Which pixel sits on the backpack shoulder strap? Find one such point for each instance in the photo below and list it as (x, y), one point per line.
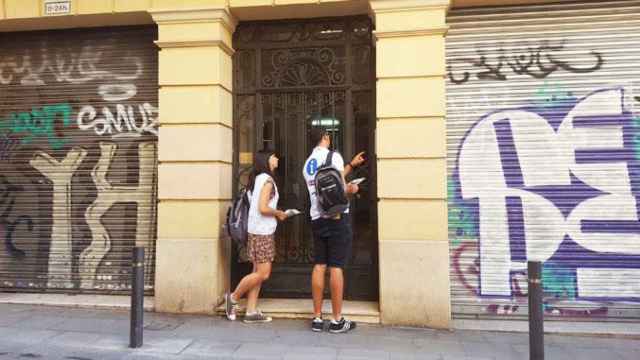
(329, 159)
(245, 194)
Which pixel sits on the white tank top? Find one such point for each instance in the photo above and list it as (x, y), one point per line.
(258, 223)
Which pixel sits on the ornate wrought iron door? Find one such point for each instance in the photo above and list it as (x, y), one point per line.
(289, 76)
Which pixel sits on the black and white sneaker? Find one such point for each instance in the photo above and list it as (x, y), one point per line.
(230, 307)
(317, 324)
(342, 326)
(256, 317)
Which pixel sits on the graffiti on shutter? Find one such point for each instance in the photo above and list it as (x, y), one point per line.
(544, 159)
(78, 133)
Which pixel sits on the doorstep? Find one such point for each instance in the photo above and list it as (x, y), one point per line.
(359, 311)
(70, 300)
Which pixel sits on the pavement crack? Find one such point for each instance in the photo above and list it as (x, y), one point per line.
(30, 355)
(193, 341)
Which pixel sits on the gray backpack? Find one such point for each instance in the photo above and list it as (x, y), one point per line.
(238, 218)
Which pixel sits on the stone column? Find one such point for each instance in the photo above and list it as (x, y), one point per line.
(195, 156)
(411, 149)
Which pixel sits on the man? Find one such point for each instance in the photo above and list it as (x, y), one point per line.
(331, 235)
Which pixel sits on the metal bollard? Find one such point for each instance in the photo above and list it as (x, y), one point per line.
(137, 298)
(536, 315)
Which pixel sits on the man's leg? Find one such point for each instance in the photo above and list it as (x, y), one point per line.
(317, 288)
(337, 291)
(339, 250)
(320, 265)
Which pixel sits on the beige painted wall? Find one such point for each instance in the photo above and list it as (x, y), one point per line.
(195, 157)
(241, 9)
(414, 249)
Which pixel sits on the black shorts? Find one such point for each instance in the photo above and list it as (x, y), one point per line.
(332, 241)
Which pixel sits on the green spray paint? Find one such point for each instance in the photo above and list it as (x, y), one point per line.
(37, 123)
(462, 221)
(636, 137)
(558, 281)
(550, 94)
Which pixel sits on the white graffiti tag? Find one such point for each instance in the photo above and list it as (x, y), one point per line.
(126, 121)
(75, 68)
(60, 174)
(108, 195)
(582, 149)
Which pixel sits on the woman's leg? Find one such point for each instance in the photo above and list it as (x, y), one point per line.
(263, 272)
(247, 283)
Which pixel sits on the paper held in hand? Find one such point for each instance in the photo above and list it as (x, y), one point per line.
(357, 181)
(292, 212)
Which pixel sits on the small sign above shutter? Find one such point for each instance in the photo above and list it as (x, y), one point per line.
(57, 7)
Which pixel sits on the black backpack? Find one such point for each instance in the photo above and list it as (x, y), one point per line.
(238, 218)
(330, 189)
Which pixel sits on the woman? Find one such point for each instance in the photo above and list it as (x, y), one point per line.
(261, 248)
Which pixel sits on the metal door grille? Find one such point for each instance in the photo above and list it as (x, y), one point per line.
(289, 76)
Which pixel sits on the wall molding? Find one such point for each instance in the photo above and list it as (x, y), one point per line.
(411, 33)
(190, 16)
(393, 6)
(195, 43)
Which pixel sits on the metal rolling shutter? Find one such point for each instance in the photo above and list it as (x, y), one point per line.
(543, 146)
(78, 135)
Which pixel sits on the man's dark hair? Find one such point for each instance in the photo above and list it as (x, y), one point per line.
(316, 135)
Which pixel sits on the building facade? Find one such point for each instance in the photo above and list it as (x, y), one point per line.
(496, 132)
